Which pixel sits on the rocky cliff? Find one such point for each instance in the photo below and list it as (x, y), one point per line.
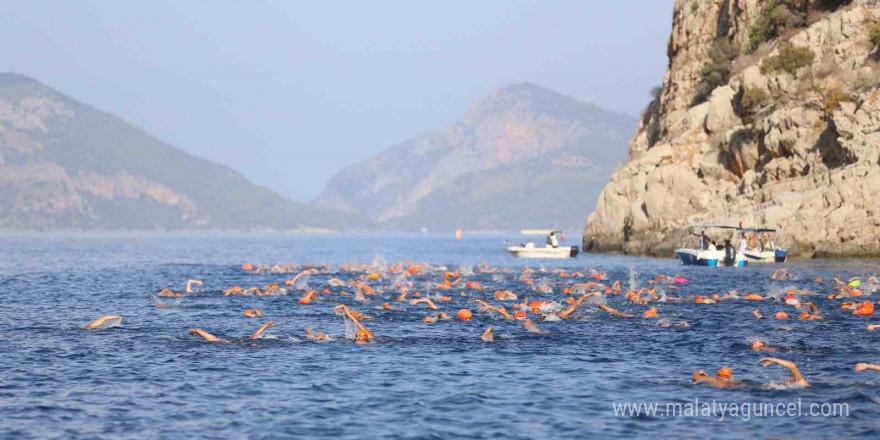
(65, 165)
(769, 115)
(525, 156)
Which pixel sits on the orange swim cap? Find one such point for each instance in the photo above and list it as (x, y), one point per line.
(597, 276)
(521, 314)
(855, 292)
(651, 313)
(781, 315)
(725, 373)
(465, 315)
(866, 308)
(804, 315)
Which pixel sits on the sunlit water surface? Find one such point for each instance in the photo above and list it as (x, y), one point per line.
(148, 378)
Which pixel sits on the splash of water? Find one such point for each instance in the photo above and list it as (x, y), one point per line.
(379, 262)
(634, 283)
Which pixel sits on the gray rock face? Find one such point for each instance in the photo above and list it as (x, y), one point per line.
(807, 163)
(521, 157)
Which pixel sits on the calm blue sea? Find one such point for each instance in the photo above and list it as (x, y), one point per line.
(149, 379)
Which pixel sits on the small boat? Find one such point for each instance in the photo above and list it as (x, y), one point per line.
(760, 247)
(550, 250)
(703, 253)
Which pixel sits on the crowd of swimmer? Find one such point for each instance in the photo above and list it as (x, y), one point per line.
(400, 284)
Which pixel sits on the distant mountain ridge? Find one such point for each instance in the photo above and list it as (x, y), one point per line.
(525, 156)
(65, 165)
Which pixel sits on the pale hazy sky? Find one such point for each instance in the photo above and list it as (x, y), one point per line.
(289, 92)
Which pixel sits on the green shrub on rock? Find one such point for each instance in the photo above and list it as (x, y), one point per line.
(751, 102)
(716, 72)
(789, 59)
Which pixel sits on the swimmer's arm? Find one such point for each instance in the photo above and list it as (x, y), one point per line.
(262, 328)
(205, 335)
(100, 321)
(812, 306)
(614, 311)
(873, 327)
(863, 366)
(190, 283)
(796, 376)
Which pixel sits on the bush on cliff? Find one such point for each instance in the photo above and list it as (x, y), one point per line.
(752, 100)
(716, 72)
(790, 59)
(775, 17)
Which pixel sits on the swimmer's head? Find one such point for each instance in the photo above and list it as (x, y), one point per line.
(725, 373)
(758, 344)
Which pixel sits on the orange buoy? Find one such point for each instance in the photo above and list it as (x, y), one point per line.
(465, 315)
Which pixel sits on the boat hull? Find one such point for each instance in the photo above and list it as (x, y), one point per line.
(766, 257)
(694, 257)
(543, 252)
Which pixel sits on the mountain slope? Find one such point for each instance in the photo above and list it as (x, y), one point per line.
(65, 165)
(770, 116)
(523, 156)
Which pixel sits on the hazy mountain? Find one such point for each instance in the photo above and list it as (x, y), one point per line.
(525, 156)
(65, 165)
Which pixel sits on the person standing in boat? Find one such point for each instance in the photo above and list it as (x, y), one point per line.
(552, 241)
(704, 240)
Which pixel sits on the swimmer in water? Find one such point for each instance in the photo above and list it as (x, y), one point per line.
(532, 328)
(234, 290)
(259, 332)
(484, 306)
(168, 292)
(106, 321)
(781, 274)
(757, 314)
(253, 313)
(363, 335)
(190, 283)
(205, 335)
(430, 304)
(430, 319)
(724, 378)
(568, 311)
(796, 377)
(312, 336)
(487, 335)
(861, 366)
(761, 346)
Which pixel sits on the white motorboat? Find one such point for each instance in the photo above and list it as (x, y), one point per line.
(550, 250)
(760, 247)
(705, 254)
